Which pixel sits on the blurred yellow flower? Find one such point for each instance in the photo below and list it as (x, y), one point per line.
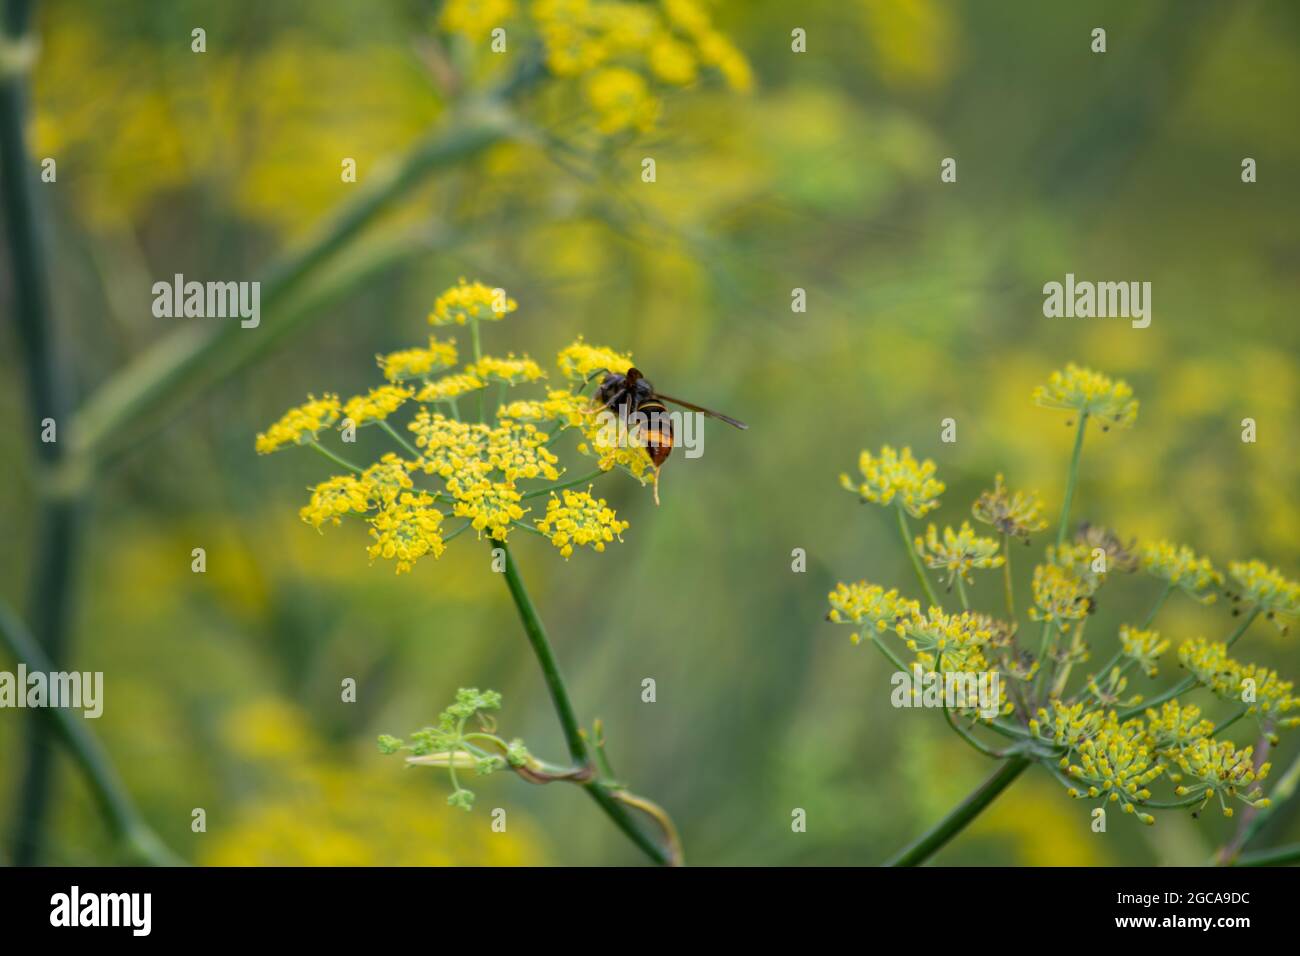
(471, 300)
(1089, 393)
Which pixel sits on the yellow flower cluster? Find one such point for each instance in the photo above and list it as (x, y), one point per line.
(475, 19)
(479, 465)
(1218, 769)
(300, 424)
(331, 499)
(1176, 727)
(1265, 588)
(449, 387)
(1117, 763)
(579, 519)
(376, 405)
(1065, 725)
(1183, 569)
(622, 48)
(1015, 515)
(491, 506)
(560, 405)
(1266, 695)
(406, 529)
(1145, 647)
(1089, 393)
(510, 370)
(579, 360)
(896, 475)
(1060, 595)
(471, 301)
(870, 604)
(958, 552)
(418, 363)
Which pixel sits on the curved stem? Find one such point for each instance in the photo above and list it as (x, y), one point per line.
(961, 815)
(1278, 856)
(600, 790)
(591, 476)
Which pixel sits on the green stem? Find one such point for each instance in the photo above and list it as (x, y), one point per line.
(600, 790)
(478, 355)
(1278, 856)
(123, 819)
(406, 445)
(592, 476)
(1006, 577)
(336, 458)
(961, 593)
(910, 547)
(59, 509)
(1071, 481)
(961, 815)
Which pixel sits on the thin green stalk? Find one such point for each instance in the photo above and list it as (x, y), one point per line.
(961, 815)
(1071, 480)
(1190, 682)
(142, 395)
(1045, 657)
(910, 547)
(961, 593)
(1146, 624)
(600, 790)
(1278, 856)
(478, 356)
(58, 518)
(591, 476)
(406, 445)
(120, 814)
(336, 458)
(1006, 577)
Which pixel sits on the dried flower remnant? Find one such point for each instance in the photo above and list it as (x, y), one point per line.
(1014, 515)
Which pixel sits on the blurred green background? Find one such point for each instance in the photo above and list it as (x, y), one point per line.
(924, 302)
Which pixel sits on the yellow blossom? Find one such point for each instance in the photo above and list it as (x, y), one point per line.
(560, 406)
(958, 552)
(471, 300)
(870, 604)
(672, 61)
(1265, 588)
(579, 360)
(376, 405)
(510, 370)
(490, 506)
(418, 363)
(449, 387)
(387, 478)
(621, 100)
(1182, 568)
(1216, 768)
(1059, 595)
(1142, 646)
(1089, 393)
(406, 529)
(897, 475)
(1176, 726)
(579, 519)
(475, 19)
(338, 496)
(300, 424)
